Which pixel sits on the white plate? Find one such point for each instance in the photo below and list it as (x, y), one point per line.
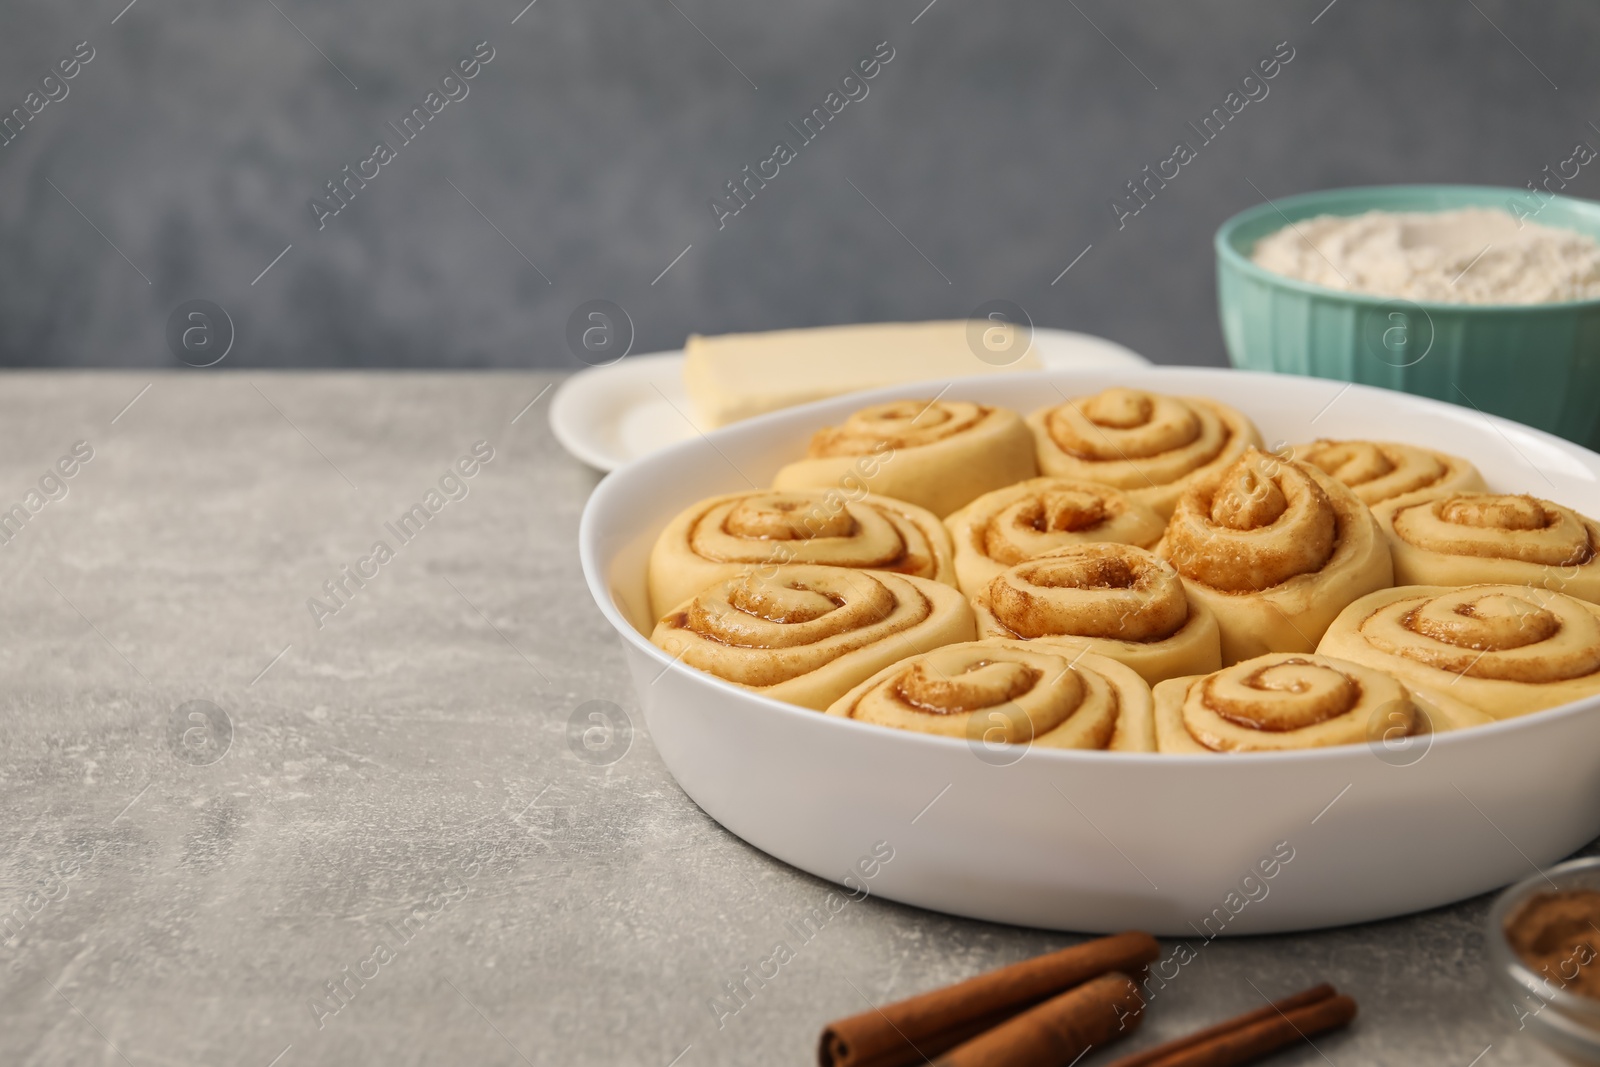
(1097, 841)
(606, 416)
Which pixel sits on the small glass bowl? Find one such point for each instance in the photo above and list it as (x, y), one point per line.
(1569, 1023)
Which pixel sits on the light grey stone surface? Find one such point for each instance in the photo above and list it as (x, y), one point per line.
(191, 913)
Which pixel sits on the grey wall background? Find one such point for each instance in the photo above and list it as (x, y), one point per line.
(198, 134)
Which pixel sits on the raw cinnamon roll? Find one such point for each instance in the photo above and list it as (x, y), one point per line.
(1115, 600)
(756, 531)
(1383, 470)
(807, 633)
(1504, 649)
(1001, 691)
(1150, 446)
(1471, 538)
(1283, 701)
(1275, 549)
(937, 454)
(1017, 523)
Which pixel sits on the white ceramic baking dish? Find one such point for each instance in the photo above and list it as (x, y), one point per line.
(1094, 841)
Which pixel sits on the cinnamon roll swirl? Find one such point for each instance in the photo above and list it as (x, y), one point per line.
(759, 530)
(1281, 702)
(806, 634)
(1150, 446)
(1275, 549)
(1504, 649)
(1001, 691)
(1017, 523)
(1383, 470)
(1115, 600)
(937, 454)
(1470, 538)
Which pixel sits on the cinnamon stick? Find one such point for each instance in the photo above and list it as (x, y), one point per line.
(1060, 1030)
(1152, 1056)
(915, 1030)
(1252, 1035)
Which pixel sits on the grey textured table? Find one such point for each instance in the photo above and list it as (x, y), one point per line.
(181, 882)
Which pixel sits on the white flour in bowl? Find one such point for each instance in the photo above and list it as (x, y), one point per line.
(1469, 256)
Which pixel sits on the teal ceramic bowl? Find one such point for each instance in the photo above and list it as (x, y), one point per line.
(1536, 363)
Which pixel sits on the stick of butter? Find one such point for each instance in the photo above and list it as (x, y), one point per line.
(737, 375)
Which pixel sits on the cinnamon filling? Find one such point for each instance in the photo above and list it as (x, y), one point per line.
(984, 684)
(1491, 623)
(1355, 462)
(819, 528)
(780, 518)
(1501, 512)
(1031, 524)
(1120, 408)
(774, 613)
(1065, 511)
(1292, 694)
(1264, 522)
(1248, 500)
(897, 424)
(782, 604)
(1501, 632)
(1491, 526)
(1097, 590)
(1125, 424)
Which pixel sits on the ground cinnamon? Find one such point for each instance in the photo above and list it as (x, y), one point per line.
(1558, 936)
(1254, 1034)
(915, 1030)
(1060, 1030)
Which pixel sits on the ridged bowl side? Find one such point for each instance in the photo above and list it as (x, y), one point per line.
(1538, 364)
